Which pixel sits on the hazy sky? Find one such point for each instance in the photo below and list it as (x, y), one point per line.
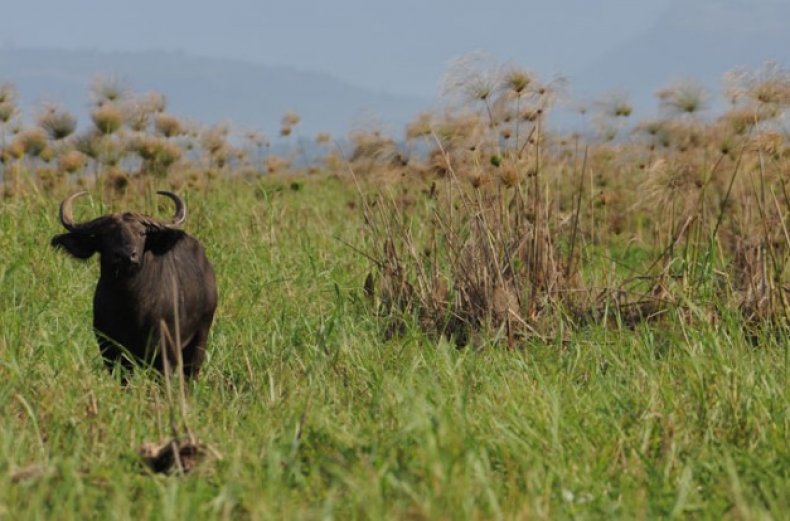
(400, 46)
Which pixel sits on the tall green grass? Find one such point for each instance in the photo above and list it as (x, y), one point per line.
(317, 417)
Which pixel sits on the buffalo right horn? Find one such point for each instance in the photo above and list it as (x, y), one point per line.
(66, 216)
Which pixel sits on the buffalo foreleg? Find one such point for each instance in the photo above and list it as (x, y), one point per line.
(115, 356)
(194, 352)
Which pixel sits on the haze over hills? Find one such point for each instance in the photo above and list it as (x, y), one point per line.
(699, 39)
(207, 90)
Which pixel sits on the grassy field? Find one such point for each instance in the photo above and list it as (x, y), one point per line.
(315, 415)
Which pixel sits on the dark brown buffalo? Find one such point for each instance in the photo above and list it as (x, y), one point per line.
(145, 263)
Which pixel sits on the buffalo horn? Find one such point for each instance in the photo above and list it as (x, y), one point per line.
(181, 209)
(66, 216)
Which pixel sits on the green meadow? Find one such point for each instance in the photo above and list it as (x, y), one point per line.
(307, 410)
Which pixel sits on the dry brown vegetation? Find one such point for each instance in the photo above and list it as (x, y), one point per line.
(131, 141)
(526, 232)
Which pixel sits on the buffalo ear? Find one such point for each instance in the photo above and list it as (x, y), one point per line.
(77, 245)
(160, 241)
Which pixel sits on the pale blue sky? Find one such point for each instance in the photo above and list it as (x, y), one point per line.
(398, 46)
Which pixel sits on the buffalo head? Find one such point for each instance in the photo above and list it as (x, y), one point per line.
(121, 239)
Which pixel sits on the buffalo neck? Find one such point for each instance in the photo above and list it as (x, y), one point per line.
(145, 278)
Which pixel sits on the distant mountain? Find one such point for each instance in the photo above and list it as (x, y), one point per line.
(697, 39)
(206, 90)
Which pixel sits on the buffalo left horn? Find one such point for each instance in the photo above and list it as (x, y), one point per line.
(181, 209)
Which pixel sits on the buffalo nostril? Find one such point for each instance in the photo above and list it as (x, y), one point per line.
(126, 258)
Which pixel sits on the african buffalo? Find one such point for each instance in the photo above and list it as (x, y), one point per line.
(145, 263)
